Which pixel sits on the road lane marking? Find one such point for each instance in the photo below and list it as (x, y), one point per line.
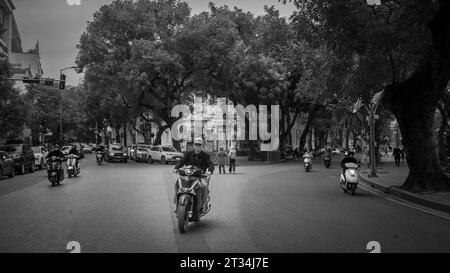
(406, 203)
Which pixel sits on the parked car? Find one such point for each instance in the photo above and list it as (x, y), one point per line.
(164, 154)
(142, 151)
(142, 154)
(40, 153)
(22, 155)
(117, 152)
(87, 149)
(6, 165)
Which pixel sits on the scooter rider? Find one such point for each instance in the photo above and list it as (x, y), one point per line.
(102, 149)
(201, 160)
(58, 153)
(349, 158)
(74, 151)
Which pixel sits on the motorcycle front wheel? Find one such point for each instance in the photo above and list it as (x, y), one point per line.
(182, 215)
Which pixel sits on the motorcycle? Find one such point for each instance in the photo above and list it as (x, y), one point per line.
(99, 157)
(188, 204)
(327, 161)
(349, 180)
(307, 163)
(55, 170)
(72, 169)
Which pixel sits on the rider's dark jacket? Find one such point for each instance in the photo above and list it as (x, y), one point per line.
(73, 151)
(201, 160)
(348, 160)
(56, 153)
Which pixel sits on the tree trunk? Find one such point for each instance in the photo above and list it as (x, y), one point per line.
(307, 129)
(161, 130)
(441, 138)
(413, 103)
(125, 128)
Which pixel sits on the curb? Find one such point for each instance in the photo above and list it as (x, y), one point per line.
(410, 197)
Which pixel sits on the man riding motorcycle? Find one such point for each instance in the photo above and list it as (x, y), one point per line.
(327, 154)
(57, 153)
(102, 149)
(74, 151)
(201, 160)
(349, 158)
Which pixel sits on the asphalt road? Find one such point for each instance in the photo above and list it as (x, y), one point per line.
(128, 207)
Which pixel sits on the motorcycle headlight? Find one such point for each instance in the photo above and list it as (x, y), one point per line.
(352, 172)
(111, 154)
(125, 154)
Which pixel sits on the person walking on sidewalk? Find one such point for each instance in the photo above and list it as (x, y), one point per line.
(222, 160)
(232, 156)
(397, 155)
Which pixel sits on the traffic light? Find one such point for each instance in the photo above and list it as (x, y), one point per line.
(49, 82)
(62, 82)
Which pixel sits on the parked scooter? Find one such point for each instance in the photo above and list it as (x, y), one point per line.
(72, 169)
(187, 203)
(349, 180)
(55, 170)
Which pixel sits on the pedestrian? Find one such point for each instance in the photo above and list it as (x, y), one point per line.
(222, 160)
(366, 157)
(232, 157)
(397, 155)
(296, 153)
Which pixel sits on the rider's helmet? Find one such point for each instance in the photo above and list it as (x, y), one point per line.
(198, 141)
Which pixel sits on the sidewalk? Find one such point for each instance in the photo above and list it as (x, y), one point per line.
(391, 178)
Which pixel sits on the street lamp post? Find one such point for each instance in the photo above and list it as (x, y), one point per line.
(371, 109)
(61, 104)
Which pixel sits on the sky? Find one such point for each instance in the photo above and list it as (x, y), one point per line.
(58, 25)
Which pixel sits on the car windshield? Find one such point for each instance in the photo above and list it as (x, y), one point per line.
(36, 149)
(169, 149)
(9, 149)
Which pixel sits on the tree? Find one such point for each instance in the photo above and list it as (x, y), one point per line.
(413, 38)
(13, 111)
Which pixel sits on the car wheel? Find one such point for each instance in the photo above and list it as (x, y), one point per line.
(150, 159)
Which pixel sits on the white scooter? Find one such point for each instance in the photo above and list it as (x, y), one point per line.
(349, 181)
(307, 163)
(72, 169)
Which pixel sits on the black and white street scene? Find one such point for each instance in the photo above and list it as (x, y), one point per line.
(224, 126)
